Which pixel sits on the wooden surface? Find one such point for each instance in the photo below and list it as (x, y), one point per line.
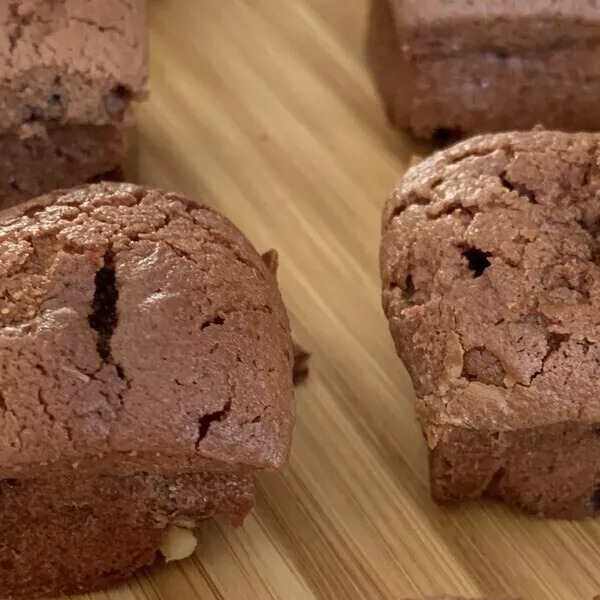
(264, 109)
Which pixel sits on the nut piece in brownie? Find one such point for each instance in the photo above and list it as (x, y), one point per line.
(463, 67)
(70, 70)
(145, 375)
(490, 264)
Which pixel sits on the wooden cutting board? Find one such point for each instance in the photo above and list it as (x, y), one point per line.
(264, 109)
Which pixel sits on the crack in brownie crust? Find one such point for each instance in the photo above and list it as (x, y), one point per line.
(491, 284)
(90, 278)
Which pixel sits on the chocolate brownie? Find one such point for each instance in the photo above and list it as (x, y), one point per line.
(466, 67)
(145, 375)
(490, 264)
(70, 70)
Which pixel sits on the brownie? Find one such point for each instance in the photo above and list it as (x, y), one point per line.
(145, 375)
(459, 68)
(70, 70)
(490, 264)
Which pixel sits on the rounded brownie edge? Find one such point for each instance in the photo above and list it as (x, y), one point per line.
(138, 322)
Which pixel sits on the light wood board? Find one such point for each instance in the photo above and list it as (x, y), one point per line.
(264, 109)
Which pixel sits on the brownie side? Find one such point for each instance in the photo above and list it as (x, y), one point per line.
(550, 471)
(71, 61)
(456, 69)
(491, 285)
(391, 72)
(42, 159)
(491, 91)
(138, 323)
(74, 534)
(438, 27)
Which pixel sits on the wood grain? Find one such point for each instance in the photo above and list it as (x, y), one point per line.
(264, 109)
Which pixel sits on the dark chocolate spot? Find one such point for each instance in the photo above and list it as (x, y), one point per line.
(478, 260)
(301, 368)
(408, 291)
(216, 321)
(31, 114)
(117, 100)
(595, 500)
(554, 340)
(443, 136)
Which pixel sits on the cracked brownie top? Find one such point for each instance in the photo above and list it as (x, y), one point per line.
(138, 331)
(70, 61)
(490, 262)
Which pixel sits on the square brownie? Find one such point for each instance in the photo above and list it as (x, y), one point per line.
(461, 67)
(70, 70)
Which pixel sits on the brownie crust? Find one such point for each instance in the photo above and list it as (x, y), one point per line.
(491, 284)
(135, 322)
(451, 69)
(71, 61)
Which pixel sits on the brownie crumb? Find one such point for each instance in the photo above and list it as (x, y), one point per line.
(301, 367)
